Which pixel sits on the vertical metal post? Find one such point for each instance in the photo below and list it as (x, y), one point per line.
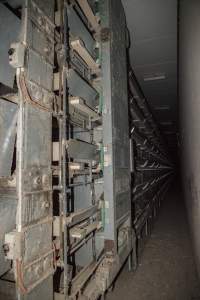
(65, 136)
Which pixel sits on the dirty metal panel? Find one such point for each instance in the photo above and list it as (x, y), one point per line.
(8, 207)
(80, 88)
(81, 150)
(37, 233)
(115, 122)
(36, 207)
(34, 178)
(41, 33)
(120, 124)
(38, 135)
(44, 289)
(46, 7)
(122, 191)
(78, 29)
(109, 231)
(9, 31)
(8, 122)
(37, 65)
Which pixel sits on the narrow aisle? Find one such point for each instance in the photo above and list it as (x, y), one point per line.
(166, 270)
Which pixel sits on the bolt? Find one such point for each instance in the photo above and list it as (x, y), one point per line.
(45, 180)
(11, 51)
(37, 180)
(6, 248)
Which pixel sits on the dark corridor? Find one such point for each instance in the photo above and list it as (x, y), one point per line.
(166, 268)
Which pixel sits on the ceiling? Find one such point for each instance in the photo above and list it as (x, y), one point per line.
(153, 32)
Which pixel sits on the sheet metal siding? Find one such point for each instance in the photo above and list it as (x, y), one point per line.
(115, 118)
(121, 155)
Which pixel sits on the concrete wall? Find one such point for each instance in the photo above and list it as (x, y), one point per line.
(189, 88)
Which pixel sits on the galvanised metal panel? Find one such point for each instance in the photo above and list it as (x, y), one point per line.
(34, 264)
(9, 31)
(8, 207)
(8, 122)
(43, 290)
(80, 88)
(37, 121)
(78, 29)
(115, 119)
(47, 7)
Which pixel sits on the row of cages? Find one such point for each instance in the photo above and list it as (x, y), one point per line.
(83, 166)
(151, 167)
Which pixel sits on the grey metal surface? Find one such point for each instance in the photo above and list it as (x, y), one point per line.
(8, 207)
(15, 3)
(36, 122)
(78, 30)
(115, 121)
(189, 90)
(37, 64)
(44, 290)
(47, 8)
(9, 31)
(80, 88)
(81, 150)
(34, 182)
(8, 122)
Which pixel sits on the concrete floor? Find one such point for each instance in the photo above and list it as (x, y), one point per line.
(166, 269)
